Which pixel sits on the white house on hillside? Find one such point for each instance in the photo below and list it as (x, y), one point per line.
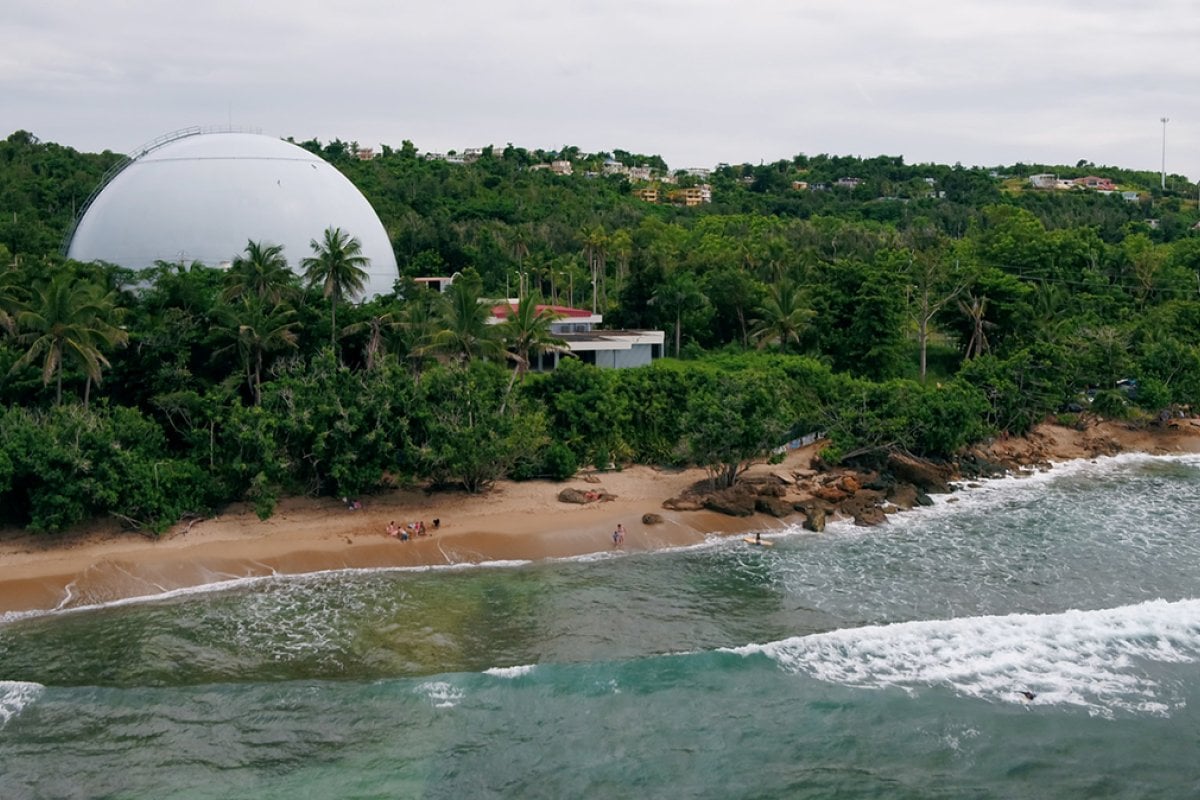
(614, 349)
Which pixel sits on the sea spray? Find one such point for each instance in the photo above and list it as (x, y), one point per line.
(1090, 659)
(15, 696)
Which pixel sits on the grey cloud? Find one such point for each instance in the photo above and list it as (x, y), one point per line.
(700, 81)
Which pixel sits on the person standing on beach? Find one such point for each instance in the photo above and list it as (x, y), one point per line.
(619, 535)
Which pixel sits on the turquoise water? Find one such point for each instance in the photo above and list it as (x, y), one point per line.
(858, 663)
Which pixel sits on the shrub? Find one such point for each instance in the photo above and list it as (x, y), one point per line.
(558, 462)
(1112, 404)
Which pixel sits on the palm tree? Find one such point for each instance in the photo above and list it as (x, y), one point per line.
(68, 319)
(338, 267)
(526, 332)
(376, 326)
(257, 330)
(782, 316)
(678, 293)
(465, 332)
(595, 252)
(262, 272)
(10, 303)
(621, 244)
(417, 323)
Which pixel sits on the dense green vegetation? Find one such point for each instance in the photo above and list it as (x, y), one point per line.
(924, 308)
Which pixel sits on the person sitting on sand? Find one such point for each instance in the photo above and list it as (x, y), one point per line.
(437, 523)
(392, 530)
(421, 528)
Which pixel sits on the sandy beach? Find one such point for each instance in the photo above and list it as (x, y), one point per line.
(513, 521)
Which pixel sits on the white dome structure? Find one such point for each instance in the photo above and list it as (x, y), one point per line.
(200, 196)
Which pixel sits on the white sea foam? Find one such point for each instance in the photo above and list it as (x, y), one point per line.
(1002, 493)
(510, 672)
(1090, 659)
(15, 696)
(216, 587)
(441, 694)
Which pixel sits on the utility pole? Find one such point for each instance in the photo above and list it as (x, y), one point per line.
(1165, 120)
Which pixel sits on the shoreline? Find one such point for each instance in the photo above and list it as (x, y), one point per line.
(512, 522)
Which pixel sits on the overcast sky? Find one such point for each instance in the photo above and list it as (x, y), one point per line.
(697, 81)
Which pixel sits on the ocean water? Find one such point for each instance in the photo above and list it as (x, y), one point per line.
(890, 662)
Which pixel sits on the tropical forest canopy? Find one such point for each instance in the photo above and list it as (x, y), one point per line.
(891, 306)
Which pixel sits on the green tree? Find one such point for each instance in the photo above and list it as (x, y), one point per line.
(585, 411)
(69, 320)
(936, 280)
(257, 331)
(10, 293)
(526, 332)
(469, 430)
(465, 333)
(675, 297)
(417, 321)
(338, 267)
(1147, 261)
(262, 271)
(732, 420)
(595, 253)
(860, 307)
(339, 430)
(783, 316)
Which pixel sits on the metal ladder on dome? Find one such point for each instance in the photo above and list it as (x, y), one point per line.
(119, 167)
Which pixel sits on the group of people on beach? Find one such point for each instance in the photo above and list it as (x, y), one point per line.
(411, 530)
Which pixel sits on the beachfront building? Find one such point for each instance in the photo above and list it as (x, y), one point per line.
(199, 195)
(585, 340)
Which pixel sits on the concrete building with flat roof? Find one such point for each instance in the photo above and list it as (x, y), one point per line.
(614, 349)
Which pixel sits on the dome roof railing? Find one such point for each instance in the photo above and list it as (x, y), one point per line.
(117, 168)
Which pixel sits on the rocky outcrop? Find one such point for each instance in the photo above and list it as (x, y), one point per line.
(976, 465)
(582, 496)
(734, 501)
(573, 496)
(683, 503)
(866, 495)
(902, 495)
(814, 519)
(830, 494)
(925, 475)
(866, 507)
(764, 485)
(652, 519)
(775, 506)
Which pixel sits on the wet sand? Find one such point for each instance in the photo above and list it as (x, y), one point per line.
(514, 521)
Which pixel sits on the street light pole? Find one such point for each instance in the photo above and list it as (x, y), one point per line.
(1165, 120)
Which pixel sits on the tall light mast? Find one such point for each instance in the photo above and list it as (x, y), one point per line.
(1165, 120)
